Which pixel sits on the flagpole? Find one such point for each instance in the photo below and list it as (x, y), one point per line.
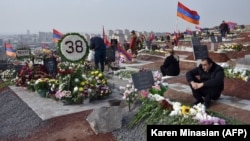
(5, 51)
(176, 25)
(176, 22)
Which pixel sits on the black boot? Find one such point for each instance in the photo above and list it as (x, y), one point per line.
(207, 102)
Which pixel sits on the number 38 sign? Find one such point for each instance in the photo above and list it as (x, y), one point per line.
(73, 47)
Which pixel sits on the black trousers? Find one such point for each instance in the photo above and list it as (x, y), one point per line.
(207, 93)
(100, 57)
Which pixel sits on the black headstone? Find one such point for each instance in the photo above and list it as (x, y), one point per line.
(143, 80)
(50, 65)
(154, 47)
(110, 55)
(114, 41)
(194, 33)
(195, 41)
(200, 51)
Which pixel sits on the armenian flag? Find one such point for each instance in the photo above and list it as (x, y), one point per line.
(9, 50)
(57, 35)
(106, 41)
(187, 14)
(124, 54)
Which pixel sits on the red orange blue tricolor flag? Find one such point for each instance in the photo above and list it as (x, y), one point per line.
(106, 41)
(9, 50)
(57, 35)
(123, 53)
(187, 14)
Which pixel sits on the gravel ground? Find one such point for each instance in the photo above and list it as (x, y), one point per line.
(137, 133)
(16, 118)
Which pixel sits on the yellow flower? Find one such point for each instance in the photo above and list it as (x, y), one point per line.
(80, 89)
(100, 75)
(104, 81)
(82, 83)
(185, 110)
(96, 72)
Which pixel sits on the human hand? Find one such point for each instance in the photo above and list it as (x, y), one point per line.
(194, 85)
(199, 85)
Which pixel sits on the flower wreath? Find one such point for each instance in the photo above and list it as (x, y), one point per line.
(23, 57)
(60, 45)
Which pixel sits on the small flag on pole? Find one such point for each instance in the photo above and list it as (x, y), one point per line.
(57, 35)
(9, 50)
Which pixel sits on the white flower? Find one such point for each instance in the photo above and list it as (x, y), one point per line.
(225, 65)
(128, 86)
(84, 76)
(192, 111)
(135, 90)
(77, 80)
(89, 90)
(245, 78)
(200, 108)
(155, 97)
(75, 89)
(176, 109)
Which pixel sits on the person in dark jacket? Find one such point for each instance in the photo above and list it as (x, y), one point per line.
(171, 65)
(206, 81)
(97, 44)
(224, 29)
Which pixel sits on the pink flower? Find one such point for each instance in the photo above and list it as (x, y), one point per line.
(59, 94)
(144, 93)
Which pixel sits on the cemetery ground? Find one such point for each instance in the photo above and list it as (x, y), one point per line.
(74, 127)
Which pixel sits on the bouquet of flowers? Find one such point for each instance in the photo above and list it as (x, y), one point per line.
(71, 83)
(41, 87)
(8, 75)
(159, 87)
(240, 73)
(97, 82)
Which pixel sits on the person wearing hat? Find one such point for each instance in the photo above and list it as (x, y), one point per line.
(171, 66)
(132, 43)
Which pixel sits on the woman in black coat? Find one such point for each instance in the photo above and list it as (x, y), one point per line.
(171, 65)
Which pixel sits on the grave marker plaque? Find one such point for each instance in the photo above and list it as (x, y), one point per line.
(200, 51)
(195, 41)
(110, 55)
(143, 80)
(50, 65)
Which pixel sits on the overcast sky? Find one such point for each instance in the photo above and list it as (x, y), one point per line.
(88, 16)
